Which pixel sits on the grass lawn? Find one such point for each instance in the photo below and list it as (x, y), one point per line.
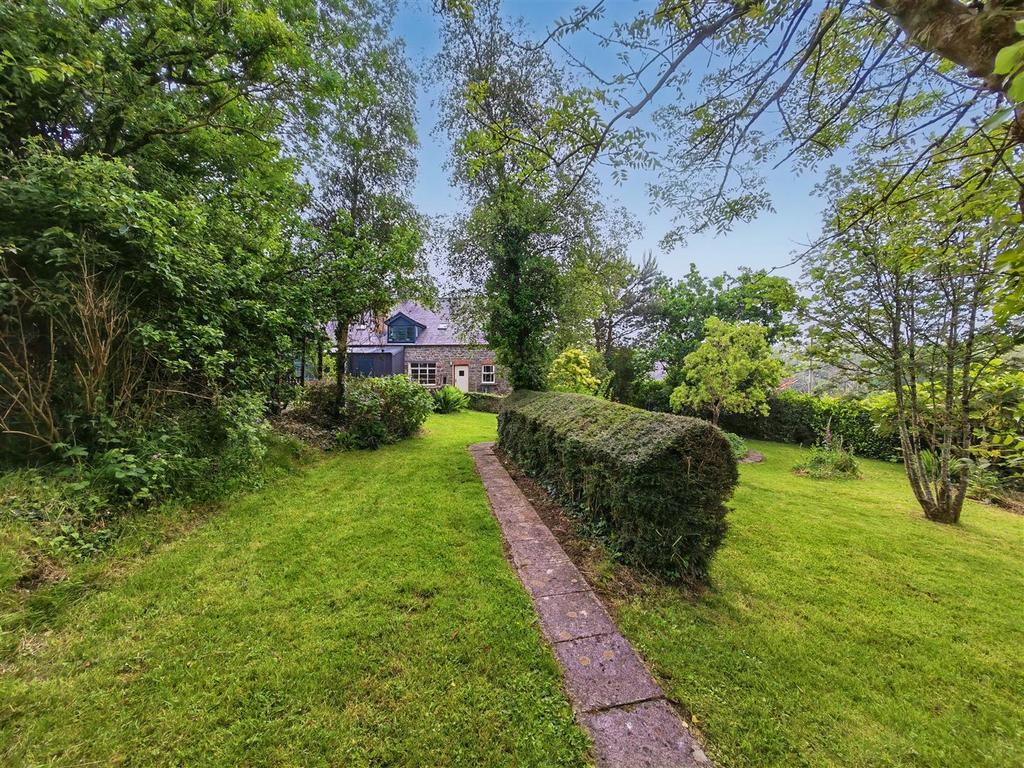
(846, 630)
(358, 614)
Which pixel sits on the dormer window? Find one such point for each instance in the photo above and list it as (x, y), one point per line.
(401, 334)
(402, 329)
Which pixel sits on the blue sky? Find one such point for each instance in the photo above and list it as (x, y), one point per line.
(768, 242)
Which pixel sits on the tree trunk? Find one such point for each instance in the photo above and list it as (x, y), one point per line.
(944, 510)
(341, 360)
(302, 364)
(319, 359)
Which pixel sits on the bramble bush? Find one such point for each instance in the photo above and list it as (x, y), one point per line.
(656, 482)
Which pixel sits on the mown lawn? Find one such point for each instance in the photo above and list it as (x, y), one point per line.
(359, 614)
(843, 629)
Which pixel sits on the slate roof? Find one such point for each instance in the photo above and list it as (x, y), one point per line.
(367, 334)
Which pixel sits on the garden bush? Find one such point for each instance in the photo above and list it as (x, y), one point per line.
(485, 401)
(383, 410)
(829, 463)
(318, 401)
(800, 418)
(656, 482)
(449, 399)
(737, 444)
(652, 395)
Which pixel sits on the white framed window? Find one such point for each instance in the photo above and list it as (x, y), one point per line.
(487, 374)
(423, 373)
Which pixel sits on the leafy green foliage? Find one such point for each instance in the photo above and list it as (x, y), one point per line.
(364, 268)
(380, 411)
(449, 399)
(651, 395)
(365, 248)
(732, 371)
(522, 286)
(750, 297)
(571, 372)
(737, 445)
(997, 417)
(521, 249)
(904, 296)
(1009, 63)
(486, 402)
(318, 403)
(656, 482)
(796, 417)
(155, 277)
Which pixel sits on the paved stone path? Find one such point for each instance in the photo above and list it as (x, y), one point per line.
(613, 694)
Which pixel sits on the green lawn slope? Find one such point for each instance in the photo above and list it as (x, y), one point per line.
(359, 614)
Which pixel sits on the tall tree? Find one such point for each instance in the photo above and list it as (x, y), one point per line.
(141, 161)
(629, 296)
(367, 250)
(515, 246)
(907, 295)
(753, 296)
(733, 86)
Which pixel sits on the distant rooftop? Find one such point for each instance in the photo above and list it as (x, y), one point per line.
(438, 328)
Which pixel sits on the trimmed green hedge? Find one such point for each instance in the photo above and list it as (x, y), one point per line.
(799, 418)
(656, 482)
(485, 401)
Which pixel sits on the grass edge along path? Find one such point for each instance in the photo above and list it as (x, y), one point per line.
(624, 710)
(359, 614)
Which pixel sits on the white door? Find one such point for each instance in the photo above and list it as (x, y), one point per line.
(461, 377)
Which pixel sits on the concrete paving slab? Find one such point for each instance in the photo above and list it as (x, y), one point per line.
(646, 735)
(573, 615)
(604, 671)
(543, 550)
(525, 531)
(552, 578)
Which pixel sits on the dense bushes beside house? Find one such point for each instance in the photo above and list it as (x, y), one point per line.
(656, 483)
(377, 411)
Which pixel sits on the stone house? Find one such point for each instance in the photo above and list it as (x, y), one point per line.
(427, 347)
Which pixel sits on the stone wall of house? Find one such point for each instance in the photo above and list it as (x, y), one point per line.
(446, 356)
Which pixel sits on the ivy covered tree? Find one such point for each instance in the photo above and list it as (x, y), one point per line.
(516, 250)
(731, 371)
